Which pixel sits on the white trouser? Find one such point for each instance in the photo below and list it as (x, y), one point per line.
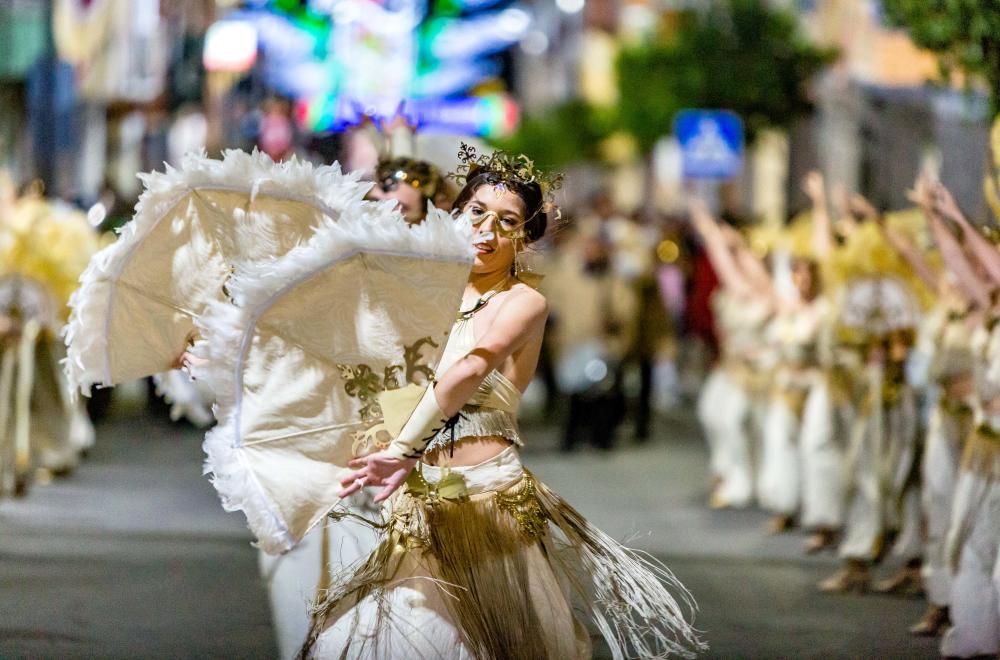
(909, 545)
(294, 578)
(863, 523)
(940, 472)
(711, 404)
(880, 497)
(822, 461)
(778, 480)
(974, 540)
(726, 427)
(902, 468)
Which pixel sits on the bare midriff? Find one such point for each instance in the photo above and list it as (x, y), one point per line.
(467, 451)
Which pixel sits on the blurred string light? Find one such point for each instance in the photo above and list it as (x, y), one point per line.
(668, 251)
(638, 20)
(570, 6)
(456, 74)
(230, 46)
(461, 38)
(535, 43)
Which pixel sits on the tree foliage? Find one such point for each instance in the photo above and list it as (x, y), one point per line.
(741, 55)
(965, 33)
(565, 134)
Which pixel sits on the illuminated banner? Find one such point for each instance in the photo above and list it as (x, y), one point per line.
(348, 59)
(488, 116)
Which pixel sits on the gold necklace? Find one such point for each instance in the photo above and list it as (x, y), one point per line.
(483, 300)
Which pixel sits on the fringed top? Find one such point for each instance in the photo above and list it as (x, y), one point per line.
(492, 411)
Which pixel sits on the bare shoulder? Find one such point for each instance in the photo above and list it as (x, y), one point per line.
(529, 299)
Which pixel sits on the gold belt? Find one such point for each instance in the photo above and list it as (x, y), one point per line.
(982, 452)
(795, 397)
(519, 500)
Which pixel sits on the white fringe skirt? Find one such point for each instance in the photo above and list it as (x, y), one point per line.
(486, 562)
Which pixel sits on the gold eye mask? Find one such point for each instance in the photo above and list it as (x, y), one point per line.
(514, 232)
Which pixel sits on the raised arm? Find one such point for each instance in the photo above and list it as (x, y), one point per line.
(900, 243)
(815, 189)
(912, 255)
(716, 246)
(844, 211)
(752, 268)
(952, 254)
(983, 250)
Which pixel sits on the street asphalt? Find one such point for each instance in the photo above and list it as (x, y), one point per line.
(131, 556)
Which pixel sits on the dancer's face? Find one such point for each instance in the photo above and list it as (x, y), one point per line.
(804, 279)
(497, 216)
(409, 200)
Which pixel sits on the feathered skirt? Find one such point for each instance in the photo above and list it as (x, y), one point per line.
(486, 562)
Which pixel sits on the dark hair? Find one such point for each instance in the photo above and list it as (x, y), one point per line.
(536, 219)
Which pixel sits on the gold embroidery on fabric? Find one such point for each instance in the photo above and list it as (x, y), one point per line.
(523, 505)
(363, 383)
(412, 357)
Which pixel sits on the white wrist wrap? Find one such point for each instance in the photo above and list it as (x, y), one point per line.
(424, 423)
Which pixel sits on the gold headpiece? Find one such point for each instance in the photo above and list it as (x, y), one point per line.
(516, 168)
(412, 172)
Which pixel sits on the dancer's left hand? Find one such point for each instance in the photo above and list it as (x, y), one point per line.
(377, 469)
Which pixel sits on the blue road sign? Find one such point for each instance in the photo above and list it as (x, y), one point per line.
(711, 143)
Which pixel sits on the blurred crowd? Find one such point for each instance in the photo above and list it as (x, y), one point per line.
(856, 396)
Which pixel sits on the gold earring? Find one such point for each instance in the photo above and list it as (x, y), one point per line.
(518, 251)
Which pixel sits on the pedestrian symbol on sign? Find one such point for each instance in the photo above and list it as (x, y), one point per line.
(711, 143)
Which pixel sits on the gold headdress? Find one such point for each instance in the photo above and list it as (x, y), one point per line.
(415, 173)
(516, 168)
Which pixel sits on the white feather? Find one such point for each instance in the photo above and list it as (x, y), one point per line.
(326, 188)
(255, 287)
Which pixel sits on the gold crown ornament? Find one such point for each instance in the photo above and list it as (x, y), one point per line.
(513, 168)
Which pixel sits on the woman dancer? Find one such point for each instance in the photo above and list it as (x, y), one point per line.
(733, 394)
(880, 313)
(43, 249)
(810, 361)
(972, 544)
(478, 558)
(944, 342)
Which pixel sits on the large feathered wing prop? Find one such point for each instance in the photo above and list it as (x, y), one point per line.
(298, 362)
(138, 298)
